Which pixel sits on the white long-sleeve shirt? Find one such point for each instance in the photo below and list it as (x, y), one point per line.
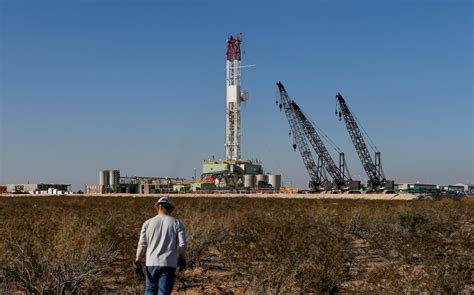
(163, 239)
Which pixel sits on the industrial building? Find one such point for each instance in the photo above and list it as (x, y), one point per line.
(451, 188)
(38, 188)
(417, 188)
(110, 181)
(237, 176)
(434, 189)
(468, 188)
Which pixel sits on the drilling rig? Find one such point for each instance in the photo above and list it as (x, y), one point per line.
(234, 173)
(377, 180)
(303, 132)
(234, 96)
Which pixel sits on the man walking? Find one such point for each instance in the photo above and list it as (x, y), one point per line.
(163, 240)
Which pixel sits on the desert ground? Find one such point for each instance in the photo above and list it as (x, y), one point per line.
(241, 245)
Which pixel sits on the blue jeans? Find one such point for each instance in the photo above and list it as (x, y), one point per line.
(159, 280)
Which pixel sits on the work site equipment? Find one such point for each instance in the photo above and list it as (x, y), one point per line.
(303, 132)
(315, 169)
(377, 180)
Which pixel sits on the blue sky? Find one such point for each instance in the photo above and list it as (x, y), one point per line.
(139, 85)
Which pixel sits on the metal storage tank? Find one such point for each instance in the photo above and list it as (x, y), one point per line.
(261, 178)
(104, 177)
(114, 180)
(275, 181)
(249, 180)
(101, 177)
(117, 177)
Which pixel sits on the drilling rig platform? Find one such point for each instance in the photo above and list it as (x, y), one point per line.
(234, 173)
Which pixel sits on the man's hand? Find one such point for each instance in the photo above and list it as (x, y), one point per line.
(139, 268)
(181, 264)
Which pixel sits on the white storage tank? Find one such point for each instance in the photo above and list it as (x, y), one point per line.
(275, 181)
(261, 178)
(249, 180)
(101, 177)
(114, 180)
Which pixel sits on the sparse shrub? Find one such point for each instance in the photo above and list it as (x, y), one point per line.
(356, 224)
(450, 275)
(72, 258)
(395, 278)
(409, 220)
(285, 252)
(279, 246)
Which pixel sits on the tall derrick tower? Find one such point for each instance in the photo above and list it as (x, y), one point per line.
(234, 97)
(233, 173)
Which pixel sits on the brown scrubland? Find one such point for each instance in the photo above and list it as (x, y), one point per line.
(64, 245)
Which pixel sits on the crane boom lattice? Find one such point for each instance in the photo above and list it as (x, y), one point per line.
(338, 176)
(317, 179)
(374, 170)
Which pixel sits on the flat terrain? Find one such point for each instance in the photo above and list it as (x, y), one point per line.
(242, 245)
(394, 197)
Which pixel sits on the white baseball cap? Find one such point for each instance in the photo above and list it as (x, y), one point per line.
(164, 200)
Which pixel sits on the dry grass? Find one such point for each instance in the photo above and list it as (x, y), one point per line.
(65, 245)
